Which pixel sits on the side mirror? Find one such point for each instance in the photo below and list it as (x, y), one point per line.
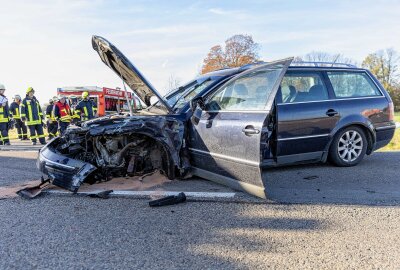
(197, 102)
(196, 116)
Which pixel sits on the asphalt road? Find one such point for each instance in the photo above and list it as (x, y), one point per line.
(318, 216)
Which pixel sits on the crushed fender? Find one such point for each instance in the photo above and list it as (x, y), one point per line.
(113, 147)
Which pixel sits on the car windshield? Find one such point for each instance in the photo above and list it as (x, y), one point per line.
(178, 97)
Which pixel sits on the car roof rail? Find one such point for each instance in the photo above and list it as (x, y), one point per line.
(321, 64)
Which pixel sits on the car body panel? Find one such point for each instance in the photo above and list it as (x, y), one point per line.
(64, 172)
(116, 61)
(220, 148)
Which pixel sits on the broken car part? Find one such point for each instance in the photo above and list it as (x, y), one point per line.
(33, 192)
(169, 200)
(115, 146)
(102, 194)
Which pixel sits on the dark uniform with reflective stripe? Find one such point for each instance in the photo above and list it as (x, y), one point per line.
(4, 119)
(21, 127)
(30, 109)
(52, 125)
(86, 109)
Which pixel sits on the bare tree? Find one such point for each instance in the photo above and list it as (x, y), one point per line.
(239, 50)
(318, 56)
(172, 84)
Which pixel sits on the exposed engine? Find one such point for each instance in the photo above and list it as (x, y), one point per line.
(123, 155)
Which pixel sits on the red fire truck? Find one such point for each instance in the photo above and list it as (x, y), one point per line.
(108, 100)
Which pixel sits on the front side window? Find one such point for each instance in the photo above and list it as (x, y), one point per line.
(247, 93)
(352, 84)
(303, 87)
(179, 97)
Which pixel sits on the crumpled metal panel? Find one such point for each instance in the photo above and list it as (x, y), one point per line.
(167, 130)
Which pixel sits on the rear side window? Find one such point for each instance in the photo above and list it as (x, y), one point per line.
(303, 87)
(352, 84)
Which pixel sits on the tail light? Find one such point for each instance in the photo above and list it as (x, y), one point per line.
(391, 111)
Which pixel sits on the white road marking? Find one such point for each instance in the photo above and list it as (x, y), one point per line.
(130, 193)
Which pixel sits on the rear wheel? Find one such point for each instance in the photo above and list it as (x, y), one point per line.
(348, 147)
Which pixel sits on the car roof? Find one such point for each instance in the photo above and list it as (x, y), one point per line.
(294, 66)
(326, 68)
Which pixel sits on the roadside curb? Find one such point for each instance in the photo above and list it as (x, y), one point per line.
(32, 148)
(145, 194)
(192, 196)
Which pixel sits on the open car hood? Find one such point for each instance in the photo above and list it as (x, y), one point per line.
(114, 59)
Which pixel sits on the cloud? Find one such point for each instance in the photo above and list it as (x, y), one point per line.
(219, 11)
(237, 14)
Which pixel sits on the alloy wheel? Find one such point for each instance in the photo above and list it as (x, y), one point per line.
(350, 146)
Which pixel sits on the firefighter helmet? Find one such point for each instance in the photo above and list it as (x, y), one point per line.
(55, 98)
(30, 89)
(17, 97)
(85, 94)
(2, 87)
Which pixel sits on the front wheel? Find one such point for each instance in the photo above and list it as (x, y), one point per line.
(348, 147)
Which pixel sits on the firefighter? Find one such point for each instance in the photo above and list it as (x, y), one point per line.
(15, 113)
(86, 108)
(73, 101)
(52, 125)
(4, 116)
(62, 113)
(31, 112)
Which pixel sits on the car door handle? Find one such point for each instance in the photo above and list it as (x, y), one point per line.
(331, 112)
(249, 130)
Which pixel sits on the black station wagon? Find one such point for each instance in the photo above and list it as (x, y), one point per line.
(228, 126)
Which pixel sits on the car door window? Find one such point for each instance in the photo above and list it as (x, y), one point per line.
(246, 93)
(352, 84)
(302, 88)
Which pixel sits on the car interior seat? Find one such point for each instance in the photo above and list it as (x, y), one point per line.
(292, 94)
(240, 94)
(317, 92)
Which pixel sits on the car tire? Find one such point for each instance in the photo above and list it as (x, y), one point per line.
(348, 147)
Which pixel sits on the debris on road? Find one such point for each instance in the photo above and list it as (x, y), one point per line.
(144, 182)
(169, 200)
(8, 192)
(101, 195)
(33, 192)
(311, 177)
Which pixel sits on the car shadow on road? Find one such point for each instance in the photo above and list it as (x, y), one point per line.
(375, 181)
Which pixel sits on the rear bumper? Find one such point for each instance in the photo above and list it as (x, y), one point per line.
(63, 171)
(384, 135)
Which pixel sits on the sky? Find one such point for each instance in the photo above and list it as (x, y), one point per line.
(47, 44)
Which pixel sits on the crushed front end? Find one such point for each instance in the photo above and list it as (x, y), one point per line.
(115, 146)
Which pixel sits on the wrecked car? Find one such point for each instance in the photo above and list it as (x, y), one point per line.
(227, 126)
